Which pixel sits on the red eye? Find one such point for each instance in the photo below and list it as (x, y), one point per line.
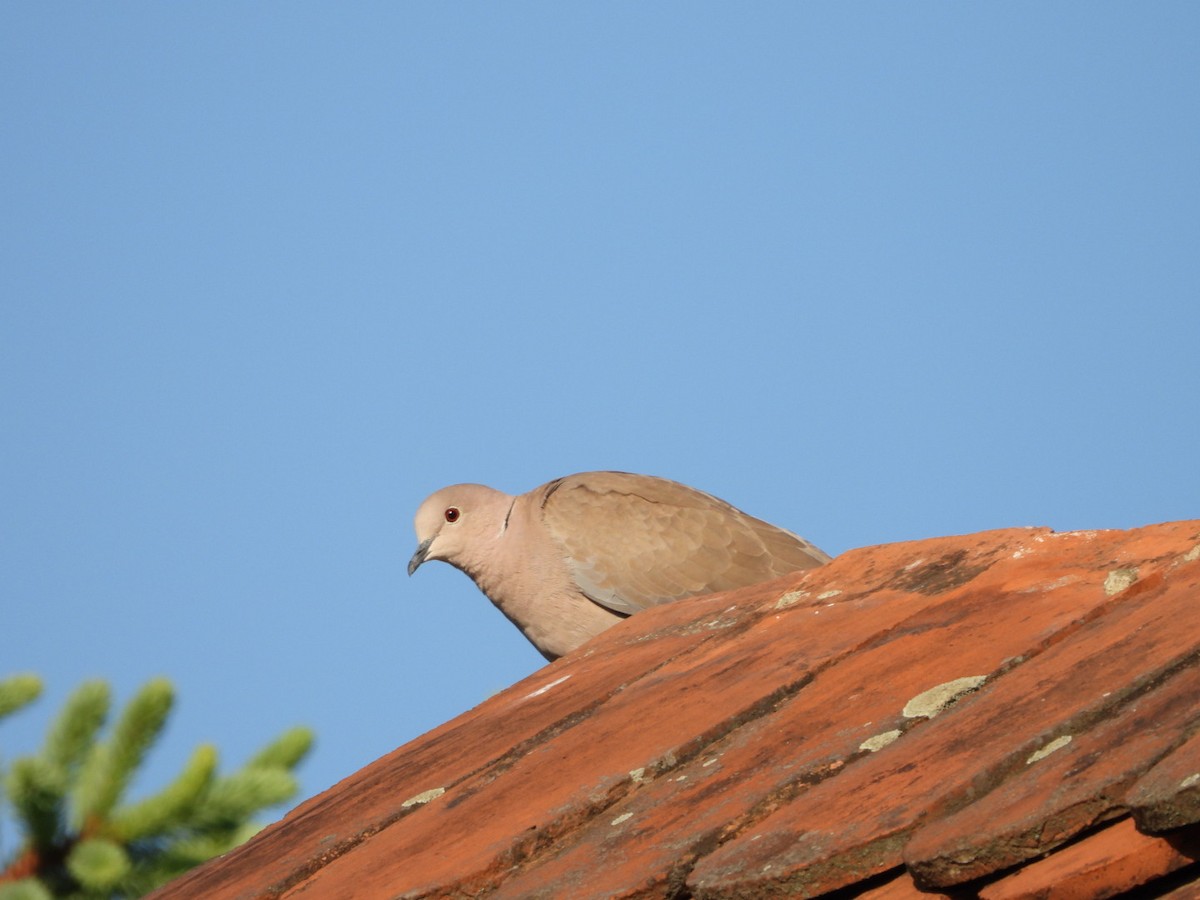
(452, 514)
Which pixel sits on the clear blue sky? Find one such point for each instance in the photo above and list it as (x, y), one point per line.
(271, 273)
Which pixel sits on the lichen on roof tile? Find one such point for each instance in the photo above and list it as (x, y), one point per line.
(929, 703)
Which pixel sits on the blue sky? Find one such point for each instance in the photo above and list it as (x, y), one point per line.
(271, 273)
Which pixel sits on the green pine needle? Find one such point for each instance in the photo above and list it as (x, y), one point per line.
(98, 864)
(35, 788)
(285, 751)
(235, 798)
(191, 851)
(25, 889)
(18, 690)
(74, 730)
(168, 809)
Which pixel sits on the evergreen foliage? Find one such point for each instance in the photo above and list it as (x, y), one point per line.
(82, 840)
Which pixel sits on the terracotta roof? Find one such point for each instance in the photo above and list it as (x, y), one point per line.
(1016, 712)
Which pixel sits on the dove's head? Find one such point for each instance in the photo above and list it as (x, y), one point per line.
(459, 524)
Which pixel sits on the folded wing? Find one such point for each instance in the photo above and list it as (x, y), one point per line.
(634, 541)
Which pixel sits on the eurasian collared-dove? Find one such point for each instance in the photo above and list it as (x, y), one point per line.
(574, 556)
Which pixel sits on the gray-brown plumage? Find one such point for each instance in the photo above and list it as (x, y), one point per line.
(575, 556)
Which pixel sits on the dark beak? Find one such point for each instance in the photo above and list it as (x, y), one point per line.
(419, 556)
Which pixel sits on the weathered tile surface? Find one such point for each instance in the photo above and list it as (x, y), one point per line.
(906, 705)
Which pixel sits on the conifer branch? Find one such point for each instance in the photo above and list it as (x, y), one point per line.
(80, 841)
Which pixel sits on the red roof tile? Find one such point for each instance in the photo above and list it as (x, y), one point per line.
(985, 709)
(1115, 859)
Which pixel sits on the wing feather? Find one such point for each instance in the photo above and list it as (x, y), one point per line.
(633, 541)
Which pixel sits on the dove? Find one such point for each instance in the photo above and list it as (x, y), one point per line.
(577, 555)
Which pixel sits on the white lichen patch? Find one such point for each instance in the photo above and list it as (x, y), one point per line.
(423, 797)
(828, 595)
(879, 741)
(1119, 580)
(709, 762)
(791, 598)
(929, 703)
(1054, 746)
(638, 776)
(623, 817)
(1189, 781)
(1192, 555)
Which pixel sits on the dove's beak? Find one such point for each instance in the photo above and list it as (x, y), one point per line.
(419, 556)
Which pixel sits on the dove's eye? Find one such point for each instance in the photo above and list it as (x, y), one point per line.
(452, 514)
